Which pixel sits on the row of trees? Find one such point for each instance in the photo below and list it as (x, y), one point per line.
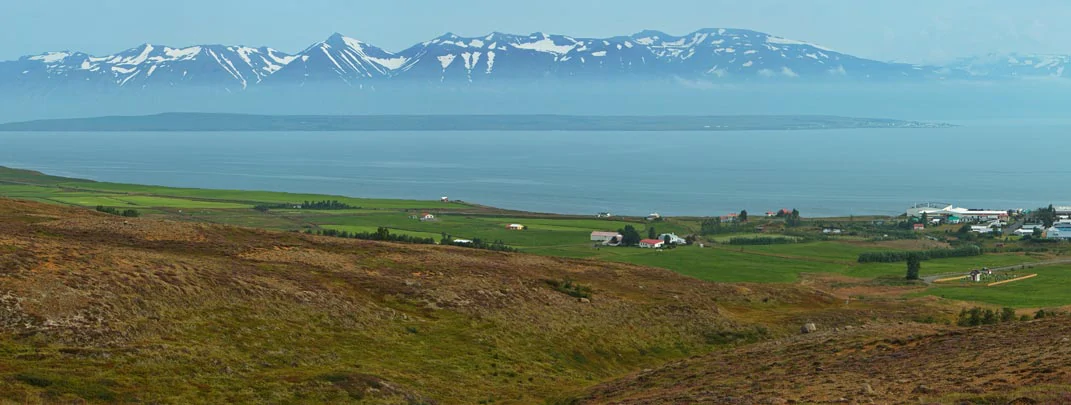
(129, 213)
(978, 316)
(384, 234)
(763, 240)
(324, 205)
(899, 256)
(477, 243)
(381, 234)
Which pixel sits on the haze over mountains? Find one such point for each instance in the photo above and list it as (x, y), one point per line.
(719, 55)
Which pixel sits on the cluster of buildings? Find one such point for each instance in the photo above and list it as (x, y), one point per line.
(614, 239)
(989, 221)
(938, 213)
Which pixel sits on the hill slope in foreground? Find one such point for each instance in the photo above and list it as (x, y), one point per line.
(1017, 363)
(109, 309)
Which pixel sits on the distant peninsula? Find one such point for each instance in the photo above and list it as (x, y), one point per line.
(213, 122)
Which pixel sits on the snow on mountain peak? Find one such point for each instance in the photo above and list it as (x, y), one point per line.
(708, 54)
(51, 57)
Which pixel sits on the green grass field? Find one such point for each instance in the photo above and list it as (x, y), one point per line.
(565, 236)
(1049, 289)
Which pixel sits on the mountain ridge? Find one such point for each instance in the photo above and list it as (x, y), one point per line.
(716, 54)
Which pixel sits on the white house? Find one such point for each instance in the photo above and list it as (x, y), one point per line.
(981, 229)
(654, 216)
(463, 241)
(516, 227)
(605, 237)
(652, 244)
(1028, 229)
(603, 215)
(673, 239)
(427, 217)
(832, 231)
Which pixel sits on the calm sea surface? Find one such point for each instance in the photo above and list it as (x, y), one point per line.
(834, 172)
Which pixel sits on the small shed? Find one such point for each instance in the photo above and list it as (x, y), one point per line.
(516, 227)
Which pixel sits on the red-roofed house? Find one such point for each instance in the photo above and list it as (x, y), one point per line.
(920, 227)
(652, 243)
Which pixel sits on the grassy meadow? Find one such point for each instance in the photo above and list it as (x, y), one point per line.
(548, 235)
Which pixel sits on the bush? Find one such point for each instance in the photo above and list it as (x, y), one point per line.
(129, 213)
(570, 288)
(900, 256)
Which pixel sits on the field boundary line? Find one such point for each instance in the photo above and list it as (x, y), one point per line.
(1012, 280)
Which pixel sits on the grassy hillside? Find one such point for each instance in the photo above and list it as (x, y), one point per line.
(560, 235)
(1014, 363)
(105, 308)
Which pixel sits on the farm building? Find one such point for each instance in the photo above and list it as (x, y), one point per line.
(673, 239)
(516, 227)
(919, 227)
(832, 231)
(654, 216)
(603, 215)
(1059, 231)
(652, 244)
(933, 209)
(463, 242)
(605, 237)
(444, 199)
(427, 217)
(770, 214)
(981, 229)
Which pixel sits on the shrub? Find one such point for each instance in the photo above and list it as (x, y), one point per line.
(570, 288)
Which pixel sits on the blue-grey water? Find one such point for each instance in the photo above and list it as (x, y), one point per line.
(825, 172)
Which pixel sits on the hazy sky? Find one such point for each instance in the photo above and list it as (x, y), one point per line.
(903, 30)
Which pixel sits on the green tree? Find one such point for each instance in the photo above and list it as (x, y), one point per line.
(710, 226)
(629, 236)
(989, 317)
(793, 218)
(651, 233)
(666, 240)
(1038, 233)
(1007, 314)
(743, 216)
(914, 265)
(965, 229)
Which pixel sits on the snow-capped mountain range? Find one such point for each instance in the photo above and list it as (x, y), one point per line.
(709, 54)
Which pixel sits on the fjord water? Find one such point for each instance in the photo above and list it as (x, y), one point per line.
(822, 172)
